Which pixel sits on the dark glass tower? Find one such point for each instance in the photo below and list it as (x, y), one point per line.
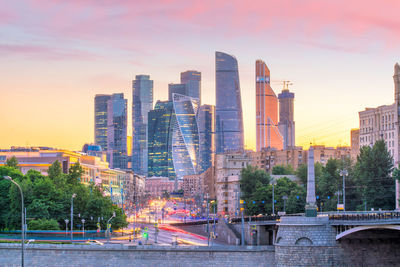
(142, 103)
(100, 120)
(229, 118)
(176, 88)
(206, 122)
(160, 122)
(116, 131)
(192, 79)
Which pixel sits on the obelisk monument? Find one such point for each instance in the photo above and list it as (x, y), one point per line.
(311, 208)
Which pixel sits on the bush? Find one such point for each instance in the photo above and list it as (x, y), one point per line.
(43, 224)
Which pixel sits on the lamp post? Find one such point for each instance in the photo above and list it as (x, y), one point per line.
(83, 226)
(344, 173)
(284, 203)
(273, 198)
(66, 226)
(72, 214)
(109, 227)
(22, 218)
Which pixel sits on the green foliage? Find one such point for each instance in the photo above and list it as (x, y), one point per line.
(257, 192)
(251, 178)
(282, 170)
(49, 198)
(12, 162)
(75, 173)
(373, 177)
(43, 224)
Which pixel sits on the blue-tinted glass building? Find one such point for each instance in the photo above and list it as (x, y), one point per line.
(142, 103)
(192, 80)
(206, 123)
(160, 122)
(100, 120)
(185, 136)
(117, 131)
(228, 109)
(176, 88)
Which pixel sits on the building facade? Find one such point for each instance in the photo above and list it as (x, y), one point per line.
(206, 122)
(354, 143)
(192, 80)
(160, 125)
(199, 185)
(267, 159)
(267, 132)
(228, 168)
(158, 186)
(117, 132)
(142, 103)
(185, 136)
(228, 109)
(286, 123)
(379, 123)
(176, 88)
(100, 120)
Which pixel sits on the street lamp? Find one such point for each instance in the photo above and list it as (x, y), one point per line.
(72, 214)
(284, 203)
(109, 227)
(83, 223)
(66, 226)
(22, 218)
(344, 173)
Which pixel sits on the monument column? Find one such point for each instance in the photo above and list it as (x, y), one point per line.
(311, 207)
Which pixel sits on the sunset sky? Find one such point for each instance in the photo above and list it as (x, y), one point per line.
(56, 55)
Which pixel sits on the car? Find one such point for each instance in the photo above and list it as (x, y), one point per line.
(94, 242)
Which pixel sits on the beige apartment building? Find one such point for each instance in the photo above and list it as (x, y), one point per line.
(200, 184)
(355, 143)
(156, 186)
(266, 159)
(228, 169)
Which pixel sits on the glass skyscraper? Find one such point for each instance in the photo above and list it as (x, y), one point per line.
(192, 80)
(176, 88)
(206, 122)
(117, 131)
(100, 120)
(160, 122)
(229, 118)
(185, 136)
(142, 103)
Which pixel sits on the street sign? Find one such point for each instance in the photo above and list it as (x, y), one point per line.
(340, 207)
(241, 201)
(156, 225)
(146, 229)
(254, 227)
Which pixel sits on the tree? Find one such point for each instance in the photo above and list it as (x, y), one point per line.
(55, 173)
(374, 183)
(43, 224)
(75, 173)
(12, 162)
(282, 170)
(250, 179)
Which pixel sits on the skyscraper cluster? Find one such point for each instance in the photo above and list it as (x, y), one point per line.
(179, 136)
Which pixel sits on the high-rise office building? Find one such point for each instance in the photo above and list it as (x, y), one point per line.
(160, 124)
(206, 122)
(286, 123)
(176, 88)
(192, 80)
(142, 103)
(100, 120)
(185, 136)
(396, 157)
(267, 132)
(228, 109)
(117, 131)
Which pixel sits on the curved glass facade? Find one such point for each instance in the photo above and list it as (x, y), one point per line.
(185, 137)
(228, 109)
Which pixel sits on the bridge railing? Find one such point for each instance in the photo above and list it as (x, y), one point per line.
(379, 215)
(256, 218)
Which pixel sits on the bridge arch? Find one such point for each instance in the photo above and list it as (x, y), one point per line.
(366, 227)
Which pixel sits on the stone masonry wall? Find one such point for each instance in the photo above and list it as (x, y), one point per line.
(120, 255)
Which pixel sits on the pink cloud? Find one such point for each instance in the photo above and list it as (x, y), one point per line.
(44, 52)
(122, 23)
